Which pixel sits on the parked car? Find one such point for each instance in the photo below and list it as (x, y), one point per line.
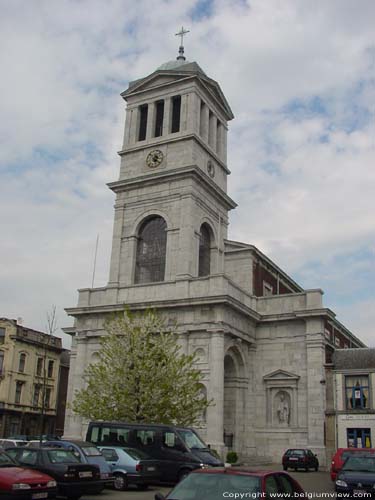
(178, 450)
(357, 476)
(87, 453)
(23, 484)
(73, 478)
(9, 443)
(131, 466)
(299, 458)
(212, 484)
(342, 454)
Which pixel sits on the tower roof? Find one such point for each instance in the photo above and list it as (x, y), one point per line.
(180, 69)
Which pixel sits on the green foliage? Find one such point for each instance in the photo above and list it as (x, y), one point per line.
(141, 375)
(232, 457)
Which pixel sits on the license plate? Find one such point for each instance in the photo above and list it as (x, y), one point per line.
(85, 474)
(39, 495)
(295, 459)
(150, 469)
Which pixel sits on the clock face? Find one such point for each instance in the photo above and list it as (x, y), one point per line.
(154, 158)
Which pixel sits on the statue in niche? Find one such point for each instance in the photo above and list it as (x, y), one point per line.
(283, 409)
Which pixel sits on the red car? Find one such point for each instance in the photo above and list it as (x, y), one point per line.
(23, 484)
(213, 484)
(342, 454)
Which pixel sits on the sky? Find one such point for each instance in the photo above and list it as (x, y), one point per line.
(299, 77)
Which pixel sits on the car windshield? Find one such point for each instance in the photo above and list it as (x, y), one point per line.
(197, 486)
(91, 451)
(191, 439)
(6, 461)
(62, 457)
(364, 464)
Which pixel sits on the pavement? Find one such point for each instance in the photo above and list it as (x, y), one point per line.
(313, 482)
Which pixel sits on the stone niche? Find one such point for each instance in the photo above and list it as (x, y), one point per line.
(281, 399)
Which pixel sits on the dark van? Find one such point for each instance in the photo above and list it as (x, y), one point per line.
(178, 450)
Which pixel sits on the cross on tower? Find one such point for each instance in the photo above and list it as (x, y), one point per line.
(181, 33)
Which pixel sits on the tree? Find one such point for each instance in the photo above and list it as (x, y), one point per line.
(141, 375)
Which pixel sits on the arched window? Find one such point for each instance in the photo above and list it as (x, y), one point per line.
(22, 361)
(204, 251)
(151, 250)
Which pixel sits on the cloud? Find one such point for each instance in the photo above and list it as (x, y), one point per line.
(300, 80)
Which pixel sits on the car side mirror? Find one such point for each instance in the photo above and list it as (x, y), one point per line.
(159, 496)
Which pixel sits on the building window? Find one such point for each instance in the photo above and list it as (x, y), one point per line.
(39, 367)
(358, 438)
(267, 289)
(2, 335)
(36, 394)
(204, 251)
(1, 362)
(22, 362)
(50, 368)
(356, 389)
(159, 118)
(337, 341)
(143, 112)
(47, 397)
(151, 251)
(18, 395)
(176, 113)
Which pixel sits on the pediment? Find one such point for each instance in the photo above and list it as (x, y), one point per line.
(163, 77)
(281, 375)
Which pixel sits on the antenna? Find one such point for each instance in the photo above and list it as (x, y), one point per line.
(96, 252)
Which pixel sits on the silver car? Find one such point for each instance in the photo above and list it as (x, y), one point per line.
(131, 466)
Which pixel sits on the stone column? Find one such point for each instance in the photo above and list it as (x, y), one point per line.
(186, 259)
(133, 125)
(220, 139)
(73, 426)
(215, 414)
(184, 112)
(212, 131)
(316, 400)
(127, 259)
(114, 272)
(204, 119)
(167, 116)
(150, 121)
(194, 112)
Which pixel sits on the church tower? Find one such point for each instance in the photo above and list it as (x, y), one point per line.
(171, 211)
(170, 226)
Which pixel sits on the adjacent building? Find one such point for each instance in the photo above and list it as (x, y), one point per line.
(262, 341)
(351, 416)
(31, 377)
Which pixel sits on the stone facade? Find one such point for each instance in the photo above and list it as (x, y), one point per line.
(30, 365)
(262, 341)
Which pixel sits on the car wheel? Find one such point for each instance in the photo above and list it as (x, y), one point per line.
(285, 467)
(74, 497)
(306, 469)
(182, 474)
(316, 468)
(120, 482)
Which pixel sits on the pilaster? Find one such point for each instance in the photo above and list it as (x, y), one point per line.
(215, 414)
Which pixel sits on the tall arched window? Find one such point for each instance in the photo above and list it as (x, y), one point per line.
(1, 362)
(204, 251)
(151, 251)
(22, 361)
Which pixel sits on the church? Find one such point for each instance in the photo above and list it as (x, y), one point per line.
(262, 341)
